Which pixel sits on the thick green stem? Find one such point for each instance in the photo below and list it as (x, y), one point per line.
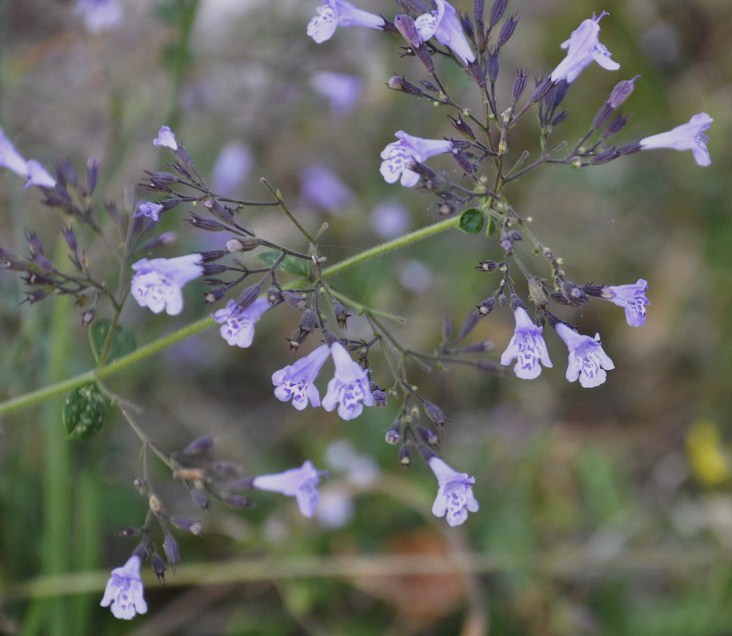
(114, 367)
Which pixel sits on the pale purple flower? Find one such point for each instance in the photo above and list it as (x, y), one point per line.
(231, 169)
(31, 170)
(149, 209)
(399, 155)
(340, 89)
(339, 13)
(583, 48)
(632, 298)
(124, 591)
(527, 347)
(349, 386)
(38, 176)
(587, 360)
(323, 188)
(688, 136)
(454, 495)
(157, 283)
(99, 15)
(444, 24)
(300, 483)
(237, 324)
(295, 382)
(390, 219)
(165, 139)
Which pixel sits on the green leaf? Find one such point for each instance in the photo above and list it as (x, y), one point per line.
(471, 221)
(123, 342)
(491, 229)
(289, 264)
(84, 411)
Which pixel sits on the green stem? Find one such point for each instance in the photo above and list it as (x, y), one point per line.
(42, 394)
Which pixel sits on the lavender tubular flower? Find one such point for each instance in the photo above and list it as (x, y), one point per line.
(399, 156)
(123, 594)
(165, 139)
(689, 136)
(583, 48)
(157, 283)
(300, 483)
(149, 209)
(335, 13)
(444, 25)
(632, 298)
(237, 324)
(99, 15)
(295, 382)
(349, 386)
(38, 176)
(587, 361)
(527, 347)
(341, 89)
(454, 495)
(31, 170)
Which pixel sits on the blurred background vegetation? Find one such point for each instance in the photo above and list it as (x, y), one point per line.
(603, 512)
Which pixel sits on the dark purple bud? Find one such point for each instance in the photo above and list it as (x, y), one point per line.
(462, 127)
(559, 118)
(602, 115)
(467, 26)
(488, 366)
(493, 66)
(497, 11)
(408, 30)
(629, 148)
(187, 525)
(605, 156)
(379, 396)
(615, 126)
(415, 7)
(66, 173)
(237, 501)
(573, 294)
(294, 299)
(447, 328)
(205, 224)
(478, 10)
(171, 550)
(165, 238)
(92, 172)
(394, 435)
(468, 324)
(221, 212)
(340, 313)
(70, 238)
(198, 446)
(212, 255)
(428, 436)
(463, 161)
(502, 299)
(400, 84)
(405, 455)
(159, 180)
(210, 297)
(200, 499)
(434, 412)
(519, 84)
(543, 86)
(621, 92)
(486, 306)
(556, 94)
(308, 320)
(479, 347)
(274, 296)
(509, 26)
(158, 566)
(487, 266)
(249, 295)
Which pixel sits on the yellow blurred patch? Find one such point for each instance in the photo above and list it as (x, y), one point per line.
(708, 460)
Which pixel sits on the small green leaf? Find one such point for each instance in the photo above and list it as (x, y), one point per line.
(491, 229)
(471, 221)
(84, 411)
(123, 342)
(289, 264)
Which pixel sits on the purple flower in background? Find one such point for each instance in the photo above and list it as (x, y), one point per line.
(340, 89)
(349, 386)
(587, 360)
(300, 483)
(527, 346)
(399, 155)
(237, 324)
(632, 297)
(444, 24)
(157, 283)
(323, 188)
(99, 15)
(165, 139)
(390, 219)
(231, 169)
(583, 48)
(31, 170)
(124, 591)
(688, 136)
(454, 495)
(295, 382)
(339, 13)
(148, 209)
